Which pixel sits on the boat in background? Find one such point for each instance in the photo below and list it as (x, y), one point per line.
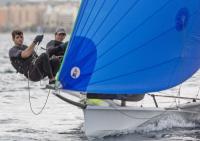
(121, 49)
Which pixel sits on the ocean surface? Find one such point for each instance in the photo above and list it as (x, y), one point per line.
(60, 121)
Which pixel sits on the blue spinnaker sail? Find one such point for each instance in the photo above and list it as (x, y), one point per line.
(132, 46)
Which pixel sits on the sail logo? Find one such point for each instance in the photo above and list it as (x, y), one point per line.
(75, 72)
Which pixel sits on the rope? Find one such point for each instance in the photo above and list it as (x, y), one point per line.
(198, 92)
(30, 104)
(36, 113)
(134, 117)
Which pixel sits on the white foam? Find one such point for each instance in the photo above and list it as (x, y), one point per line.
(166, 122)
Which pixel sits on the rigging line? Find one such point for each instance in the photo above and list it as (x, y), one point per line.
(179, 94)
(163, 93)
(132, 31)
(128, 115)
(135, 29)
(41, 75)
(184, 47)
(140, 70)
(176, 65)
(171, 103)
(30, 104)
(198, 92)
(173, 72)
(134, 117)
(134, 50)
(176, 97)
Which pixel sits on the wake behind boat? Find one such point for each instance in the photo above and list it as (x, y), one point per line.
(122, 49)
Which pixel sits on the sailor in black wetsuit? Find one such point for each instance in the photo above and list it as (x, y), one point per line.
(56, 48)
(25, 60)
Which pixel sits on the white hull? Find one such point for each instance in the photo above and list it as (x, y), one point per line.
(102, 121)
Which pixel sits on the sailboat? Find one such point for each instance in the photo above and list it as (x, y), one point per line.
(123, 49)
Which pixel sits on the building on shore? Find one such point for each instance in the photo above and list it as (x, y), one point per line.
(3, 18)
(60, 15)
(32, 16)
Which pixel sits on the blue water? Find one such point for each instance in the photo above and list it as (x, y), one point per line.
(59, 121)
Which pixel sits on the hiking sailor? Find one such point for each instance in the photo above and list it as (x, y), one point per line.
(56, 48)
(25, 60)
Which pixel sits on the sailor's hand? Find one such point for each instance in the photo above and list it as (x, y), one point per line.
(55, 57)
(64, 45)
(38, 39)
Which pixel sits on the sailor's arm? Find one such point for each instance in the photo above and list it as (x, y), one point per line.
(28, 51)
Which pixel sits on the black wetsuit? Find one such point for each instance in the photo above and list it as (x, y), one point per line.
(34, 67)
(56, 48)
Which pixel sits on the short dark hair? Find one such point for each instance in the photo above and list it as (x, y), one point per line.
(16, 32)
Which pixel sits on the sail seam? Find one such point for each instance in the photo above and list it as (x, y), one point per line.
(90, 26)
(137, 71)
(135, 49)
(105, 18)
(80, 13)
(131, 32)
(88, 17)
(135, 29)
(118, 22)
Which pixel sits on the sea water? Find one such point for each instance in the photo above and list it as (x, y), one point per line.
(60, 121)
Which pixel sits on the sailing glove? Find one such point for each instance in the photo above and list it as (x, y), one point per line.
(64, 45)
(38, 39)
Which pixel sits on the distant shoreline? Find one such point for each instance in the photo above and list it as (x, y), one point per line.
(31, 32)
